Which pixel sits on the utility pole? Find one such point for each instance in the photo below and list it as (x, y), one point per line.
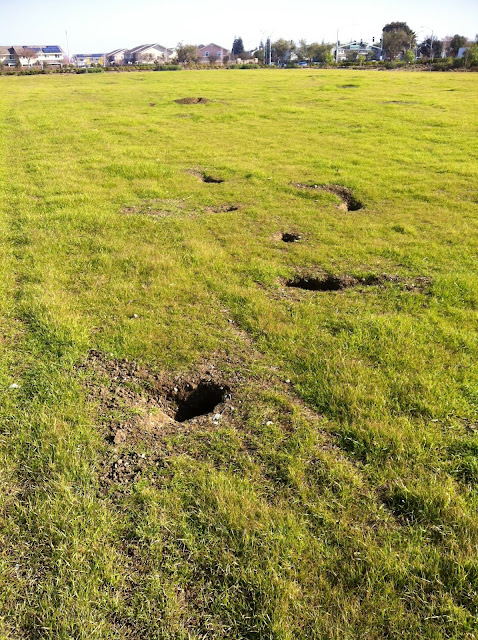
(67, 47)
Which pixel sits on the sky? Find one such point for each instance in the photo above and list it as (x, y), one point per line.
(97, 26)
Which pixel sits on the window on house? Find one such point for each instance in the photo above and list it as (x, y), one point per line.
(207, 54)
(218, 54)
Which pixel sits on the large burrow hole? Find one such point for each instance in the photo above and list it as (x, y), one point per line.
(194, 400)
(192, 101)
(204, 176)
(211, 179)
(291, 237)
(344, 193)
(328, 282)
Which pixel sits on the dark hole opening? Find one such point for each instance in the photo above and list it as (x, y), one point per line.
(327, 283)
(200, 401)
(212, 179)
(291, 237)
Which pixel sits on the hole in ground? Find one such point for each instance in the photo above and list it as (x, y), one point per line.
(211, 179)
(192, 101)
(328, 282)
(206, 177)
(344, 193)
(291, 237)
(198, 400)
(225, 208)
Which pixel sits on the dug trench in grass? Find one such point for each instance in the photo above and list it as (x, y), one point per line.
(331, 282)
(349, 201)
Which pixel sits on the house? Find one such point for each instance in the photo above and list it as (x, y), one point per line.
(32, 56)
(88, 59)
(147, 53)
(352, 50)
(116, 58)
(213, 52)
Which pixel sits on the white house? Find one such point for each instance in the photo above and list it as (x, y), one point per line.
(147, 53)
(88, 59)
(116, 58)
(32, 56)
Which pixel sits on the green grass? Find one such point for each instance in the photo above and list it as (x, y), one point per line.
(339, 500)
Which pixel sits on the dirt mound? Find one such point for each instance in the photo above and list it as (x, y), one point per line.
(192, 101)
(344, 193)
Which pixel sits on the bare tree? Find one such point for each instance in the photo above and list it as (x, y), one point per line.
(29, 55)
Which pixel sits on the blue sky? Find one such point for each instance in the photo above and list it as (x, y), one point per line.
(103, 25)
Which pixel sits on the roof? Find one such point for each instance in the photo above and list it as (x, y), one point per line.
(116, 51)
(212, 44)
(145, 47)
(89, 55)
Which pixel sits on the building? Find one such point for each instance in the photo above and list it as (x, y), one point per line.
(116, 58)
(213, 53)
(32, 56)
(147, 53)
(352, 50)
(88, 59)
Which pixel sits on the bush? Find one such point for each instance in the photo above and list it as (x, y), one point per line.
(168, 67)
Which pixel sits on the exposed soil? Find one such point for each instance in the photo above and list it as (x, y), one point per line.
(349, 86)
(138, 409)
(291, 237)
(224, 208)
(163, 208)
(152, 104)
(157, 401)
(399, 102)
(192, 101)
(326, 283)
(194, 400)
(349, 201)
(331, 282)
(206, 177)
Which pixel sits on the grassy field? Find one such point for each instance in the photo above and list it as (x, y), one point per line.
(329, 491)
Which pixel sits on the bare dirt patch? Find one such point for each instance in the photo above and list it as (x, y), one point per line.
(223, 208)
(138, 410)
(204, 176)
(331, 282)
(192, 101)
(349, 201)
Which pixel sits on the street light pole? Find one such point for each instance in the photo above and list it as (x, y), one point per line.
(431, 44)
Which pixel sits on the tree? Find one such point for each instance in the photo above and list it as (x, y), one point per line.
(212, 59)
(29, 55)
(409, 56)
(456, 43)
(471, 56)
(303, 50)
(237, 47)
(431, 48)
(320, 52)
(187, 54)
(397, 38)
(281, 48)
